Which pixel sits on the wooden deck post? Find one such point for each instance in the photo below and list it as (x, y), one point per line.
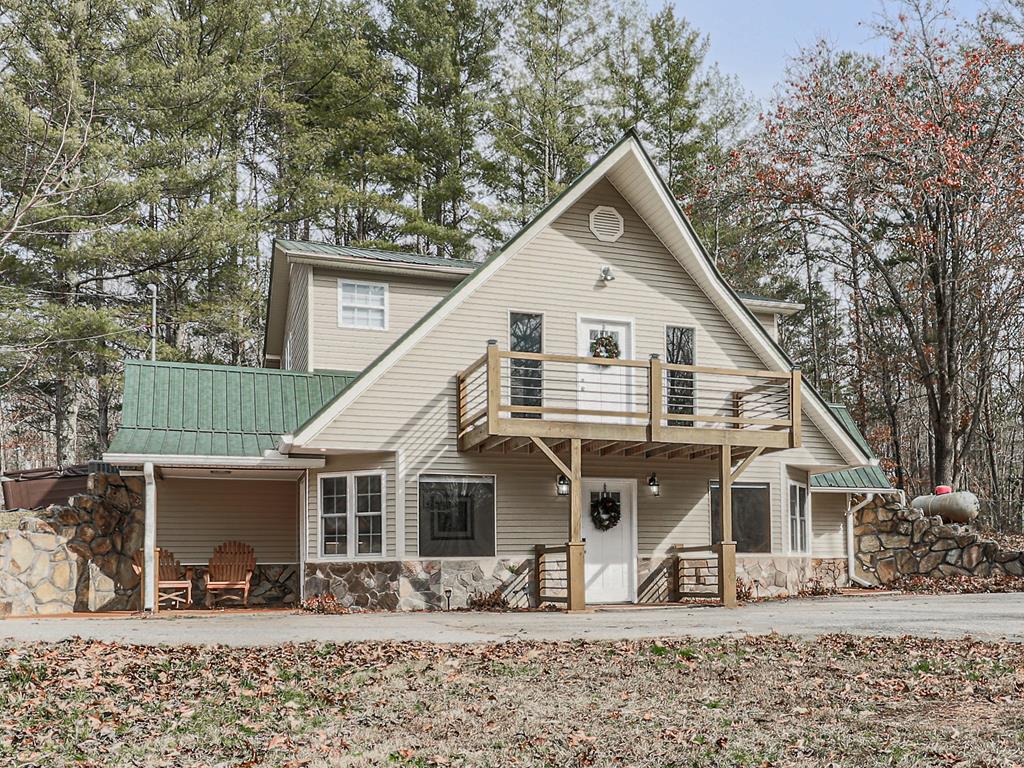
(656, 394)
(154, 576)
(493, 386)
(574, 554)
(726, 547)
(795, 407)
(538, 574)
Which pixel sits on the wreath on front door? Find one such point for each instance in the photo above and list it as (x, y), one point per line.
(605, 346)
(605, 511)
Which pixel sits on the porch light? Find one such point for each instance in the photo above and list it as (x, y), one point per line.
(653, 484)
(562, 485)
(607, 275)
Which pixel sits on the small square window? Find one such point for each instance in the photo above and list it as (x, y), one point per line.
(362, 305)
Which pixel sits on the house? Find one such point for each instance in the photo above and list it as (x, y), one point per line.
(589, 415)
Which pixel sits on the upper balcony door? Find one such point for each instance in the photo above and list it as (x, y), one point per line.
(605, 387)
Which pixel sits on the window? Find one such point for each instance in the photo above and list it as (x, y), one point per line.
(456, 516)
(362, 305)
(352, 514)
(751, 517)
(679, 385)
(526, 334)
(798, 519)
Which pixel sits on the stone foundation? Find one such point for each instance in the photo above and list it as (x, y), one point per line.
(767, 576)
(893, 541)
(419, 585)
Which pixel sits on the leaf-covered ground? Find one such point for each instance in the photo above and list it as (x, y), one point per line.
(769, 701)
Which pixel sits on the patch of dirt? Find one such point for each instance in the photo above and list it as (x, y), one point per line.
(765, 701)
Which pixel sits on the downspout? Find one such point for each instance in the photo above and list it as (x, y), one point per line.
(851, 560)
(149, 539)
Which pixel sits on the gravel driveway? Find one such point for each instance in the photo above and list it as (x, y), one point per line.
(986, 616)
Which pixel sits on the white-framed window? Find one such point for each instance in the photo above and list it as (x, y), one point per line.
(362, 305)
(799, 519)
(352, 514)
(457, 516)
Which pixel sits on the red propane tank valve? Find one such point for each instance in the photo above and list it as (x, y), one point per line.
(941, 490)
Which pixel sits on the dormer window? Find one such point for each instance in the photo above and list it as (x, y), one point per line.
(362, 305)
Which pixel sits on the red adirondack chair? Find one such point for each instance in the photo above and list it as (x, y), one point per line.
(230, 571)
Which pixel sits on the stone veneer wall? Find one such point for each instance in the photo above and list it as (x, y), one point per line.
(417, 585)
(75, 557)
(767, 576)
(893, 541)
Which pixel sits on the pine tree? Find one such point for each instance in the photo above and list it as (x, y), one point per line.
(545, 128)
(445, 51)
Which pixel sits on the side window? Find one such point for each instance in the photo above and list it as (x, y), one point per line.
(680, 386)
(362, 305)
(352, 514)
(799, 536)
(526, 377)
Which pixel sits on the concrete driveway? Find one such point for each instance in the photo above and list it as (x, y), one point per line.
(981, 616)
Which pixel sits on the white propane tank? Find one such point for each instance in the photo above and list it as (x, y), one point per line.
(958, 507)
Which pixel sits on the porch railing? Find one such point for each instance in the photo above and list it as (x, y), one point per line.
(551, 574)
(528, 393)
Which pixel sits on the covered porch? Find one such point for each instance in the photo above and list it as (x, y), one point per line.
(192, 511)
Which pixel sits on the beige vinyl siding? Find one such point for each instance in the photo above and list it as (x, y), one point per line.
(828, 524)
(768, 322)
(412, 406)
(194, 515)
(351, 349)
(351, 463)
(297, 321)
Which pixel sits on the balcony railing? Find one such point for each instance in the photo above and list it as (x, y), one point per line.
(562, 396)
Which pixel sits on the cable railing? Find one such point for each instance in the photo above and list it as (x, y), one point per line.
(536, 394)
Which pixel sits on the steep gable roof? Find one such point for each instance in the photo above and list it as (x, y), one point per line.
(190, 409)
(630, 169)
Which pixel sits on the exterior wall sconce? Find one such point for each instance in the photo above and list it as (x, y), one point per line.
(606, 274)
(562, 485)
(653, 484)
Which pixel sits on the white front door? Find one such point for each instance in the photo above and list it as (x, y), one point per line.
(610, 555)
(605, 387)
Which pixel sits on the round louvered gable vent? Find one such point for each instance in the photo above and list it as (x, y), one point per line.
(606, 223)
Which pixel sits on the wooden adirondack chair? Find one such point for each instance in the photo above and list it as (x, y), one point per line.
(173, 583)
(230, 570)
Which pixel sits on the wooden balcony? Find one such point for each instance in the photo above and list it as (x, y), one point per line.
(510, 401)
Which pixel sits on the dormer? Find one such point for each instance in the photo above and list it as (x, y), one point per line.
(337, 308)
(769, 312)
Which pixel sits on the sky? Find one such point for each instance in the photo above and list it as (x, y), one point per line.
(754, 40)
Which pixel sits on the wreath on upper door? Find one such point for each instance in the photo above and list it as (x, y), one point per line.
(605, 511)
(605, 346)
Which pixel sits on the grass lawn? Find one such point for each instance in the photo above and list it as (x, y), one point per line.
(770, 701)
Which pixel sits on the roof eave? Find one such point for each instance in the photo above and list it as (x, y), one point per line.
(267, 461)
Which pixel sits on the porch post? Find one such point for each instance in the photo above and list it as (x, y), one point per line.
(149, 561)
(726, 547)
(576, 597)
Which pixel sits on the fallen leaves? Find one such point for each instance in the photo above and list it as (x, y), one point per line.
(768, 700)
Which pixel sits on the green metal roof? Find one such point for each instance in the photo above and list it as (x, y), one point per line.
(870, 477)
(374, 254)
(190, 409)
